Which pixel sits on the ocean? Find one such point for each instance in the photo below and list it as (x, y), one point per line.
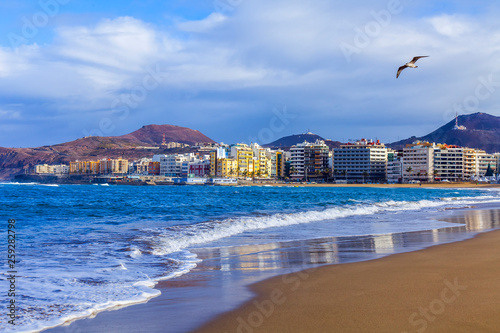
(83, 249)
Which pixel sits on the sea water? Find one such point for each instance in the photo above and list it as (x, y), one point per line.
(82, 249)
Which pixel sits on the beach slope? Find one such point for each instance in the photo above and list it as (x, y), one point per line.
(447, 288)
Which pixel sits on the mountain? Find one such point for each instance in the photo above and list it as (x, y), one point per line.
(482, 132)
(153, 134)
(15, 160)
(288, 141)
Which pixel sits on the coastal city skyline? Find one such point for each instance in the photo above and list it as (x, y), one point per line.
(249, 166)
(70, 68)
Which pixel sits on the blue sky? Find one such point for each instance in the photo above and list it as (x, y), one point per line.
(243, 70)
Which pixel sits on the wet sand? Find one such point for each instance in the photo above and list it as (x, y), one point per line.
(447, 288)
(220, 284)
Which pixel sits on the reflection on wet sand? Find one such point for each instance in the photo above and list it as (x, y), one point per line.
(332, 250)
(477, 220)
(219, 282)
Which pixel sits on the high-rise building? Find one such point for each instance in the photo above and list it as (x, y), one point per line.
(51, 169)
(309, 160)
(243, 155)
(448, 162)
(361, 161)
(113, 166)
(483, 161)
(418, 161)
(394, 166)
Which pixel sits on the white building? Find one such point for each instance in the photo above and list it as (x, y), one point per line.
(179, 165)
(418, 161)
(361, 161)
(448, 163)
(52, 169)
(140, 167)
(171, 165)
(309, 160)
(394, 167)
(483, 160)
(297, 160)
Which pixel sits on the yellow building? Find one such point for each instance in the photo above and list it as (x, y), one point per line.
(116, 166)
(105, 166)
(469, 163)
(84, 167)
(227, 168)
(213, 163)
(244, 157)
(242, 160)
(277, 163)
(261, 161)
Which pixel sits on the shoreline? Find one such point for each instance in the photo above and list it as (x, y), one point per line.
(275, 184)
(148, 315)
(450, 287)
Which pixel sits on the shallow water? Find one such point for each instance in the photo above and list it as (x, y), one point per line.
(83, 249)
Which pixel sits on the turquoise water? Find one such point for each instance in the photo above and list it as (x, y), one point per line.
(82, 249)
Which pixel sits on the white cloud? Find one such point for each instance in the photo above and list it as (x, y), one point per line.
(451, 25)
(9, 115)
(123, 43)
(263, 55)
(203, 25)
(12, 62)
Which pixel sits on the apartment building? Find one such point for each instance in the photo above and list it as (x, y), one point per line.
(243, 155)
(449, 163)
(418, 162)
(309, 161)
(113, 166)
(297, 158)
(84, 167)
(179, 165)
(470, 163)
(394, 166)
(52, 169)
(140, 167)
(364, 160)
(484, 160)
(199, 168)
(171, 165)
(277, 161)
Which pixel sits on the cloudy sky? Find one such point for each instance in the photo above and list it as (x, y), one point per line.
(243, 70)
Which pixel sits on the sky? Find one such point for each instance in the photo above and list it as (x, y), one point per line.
(244, 70)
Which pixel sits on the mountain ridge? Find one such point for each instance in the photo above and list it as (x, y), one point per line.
(14, 161)
(482, 131)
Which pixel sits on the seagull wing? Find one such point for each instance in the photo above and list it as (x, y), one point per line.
(414, 60)
(400, 70)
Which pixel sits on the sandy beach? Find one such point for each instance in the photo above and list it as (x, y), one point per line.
(425, 185)
(447, 288)
(442, 288)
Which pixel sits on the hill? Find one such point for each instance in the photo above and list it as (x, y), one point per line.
(482, 132)
(153, 134)
(14, 161)
(288, 141)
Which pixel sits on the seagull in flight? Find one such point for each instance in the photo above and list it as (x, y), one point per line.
(409, 64)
